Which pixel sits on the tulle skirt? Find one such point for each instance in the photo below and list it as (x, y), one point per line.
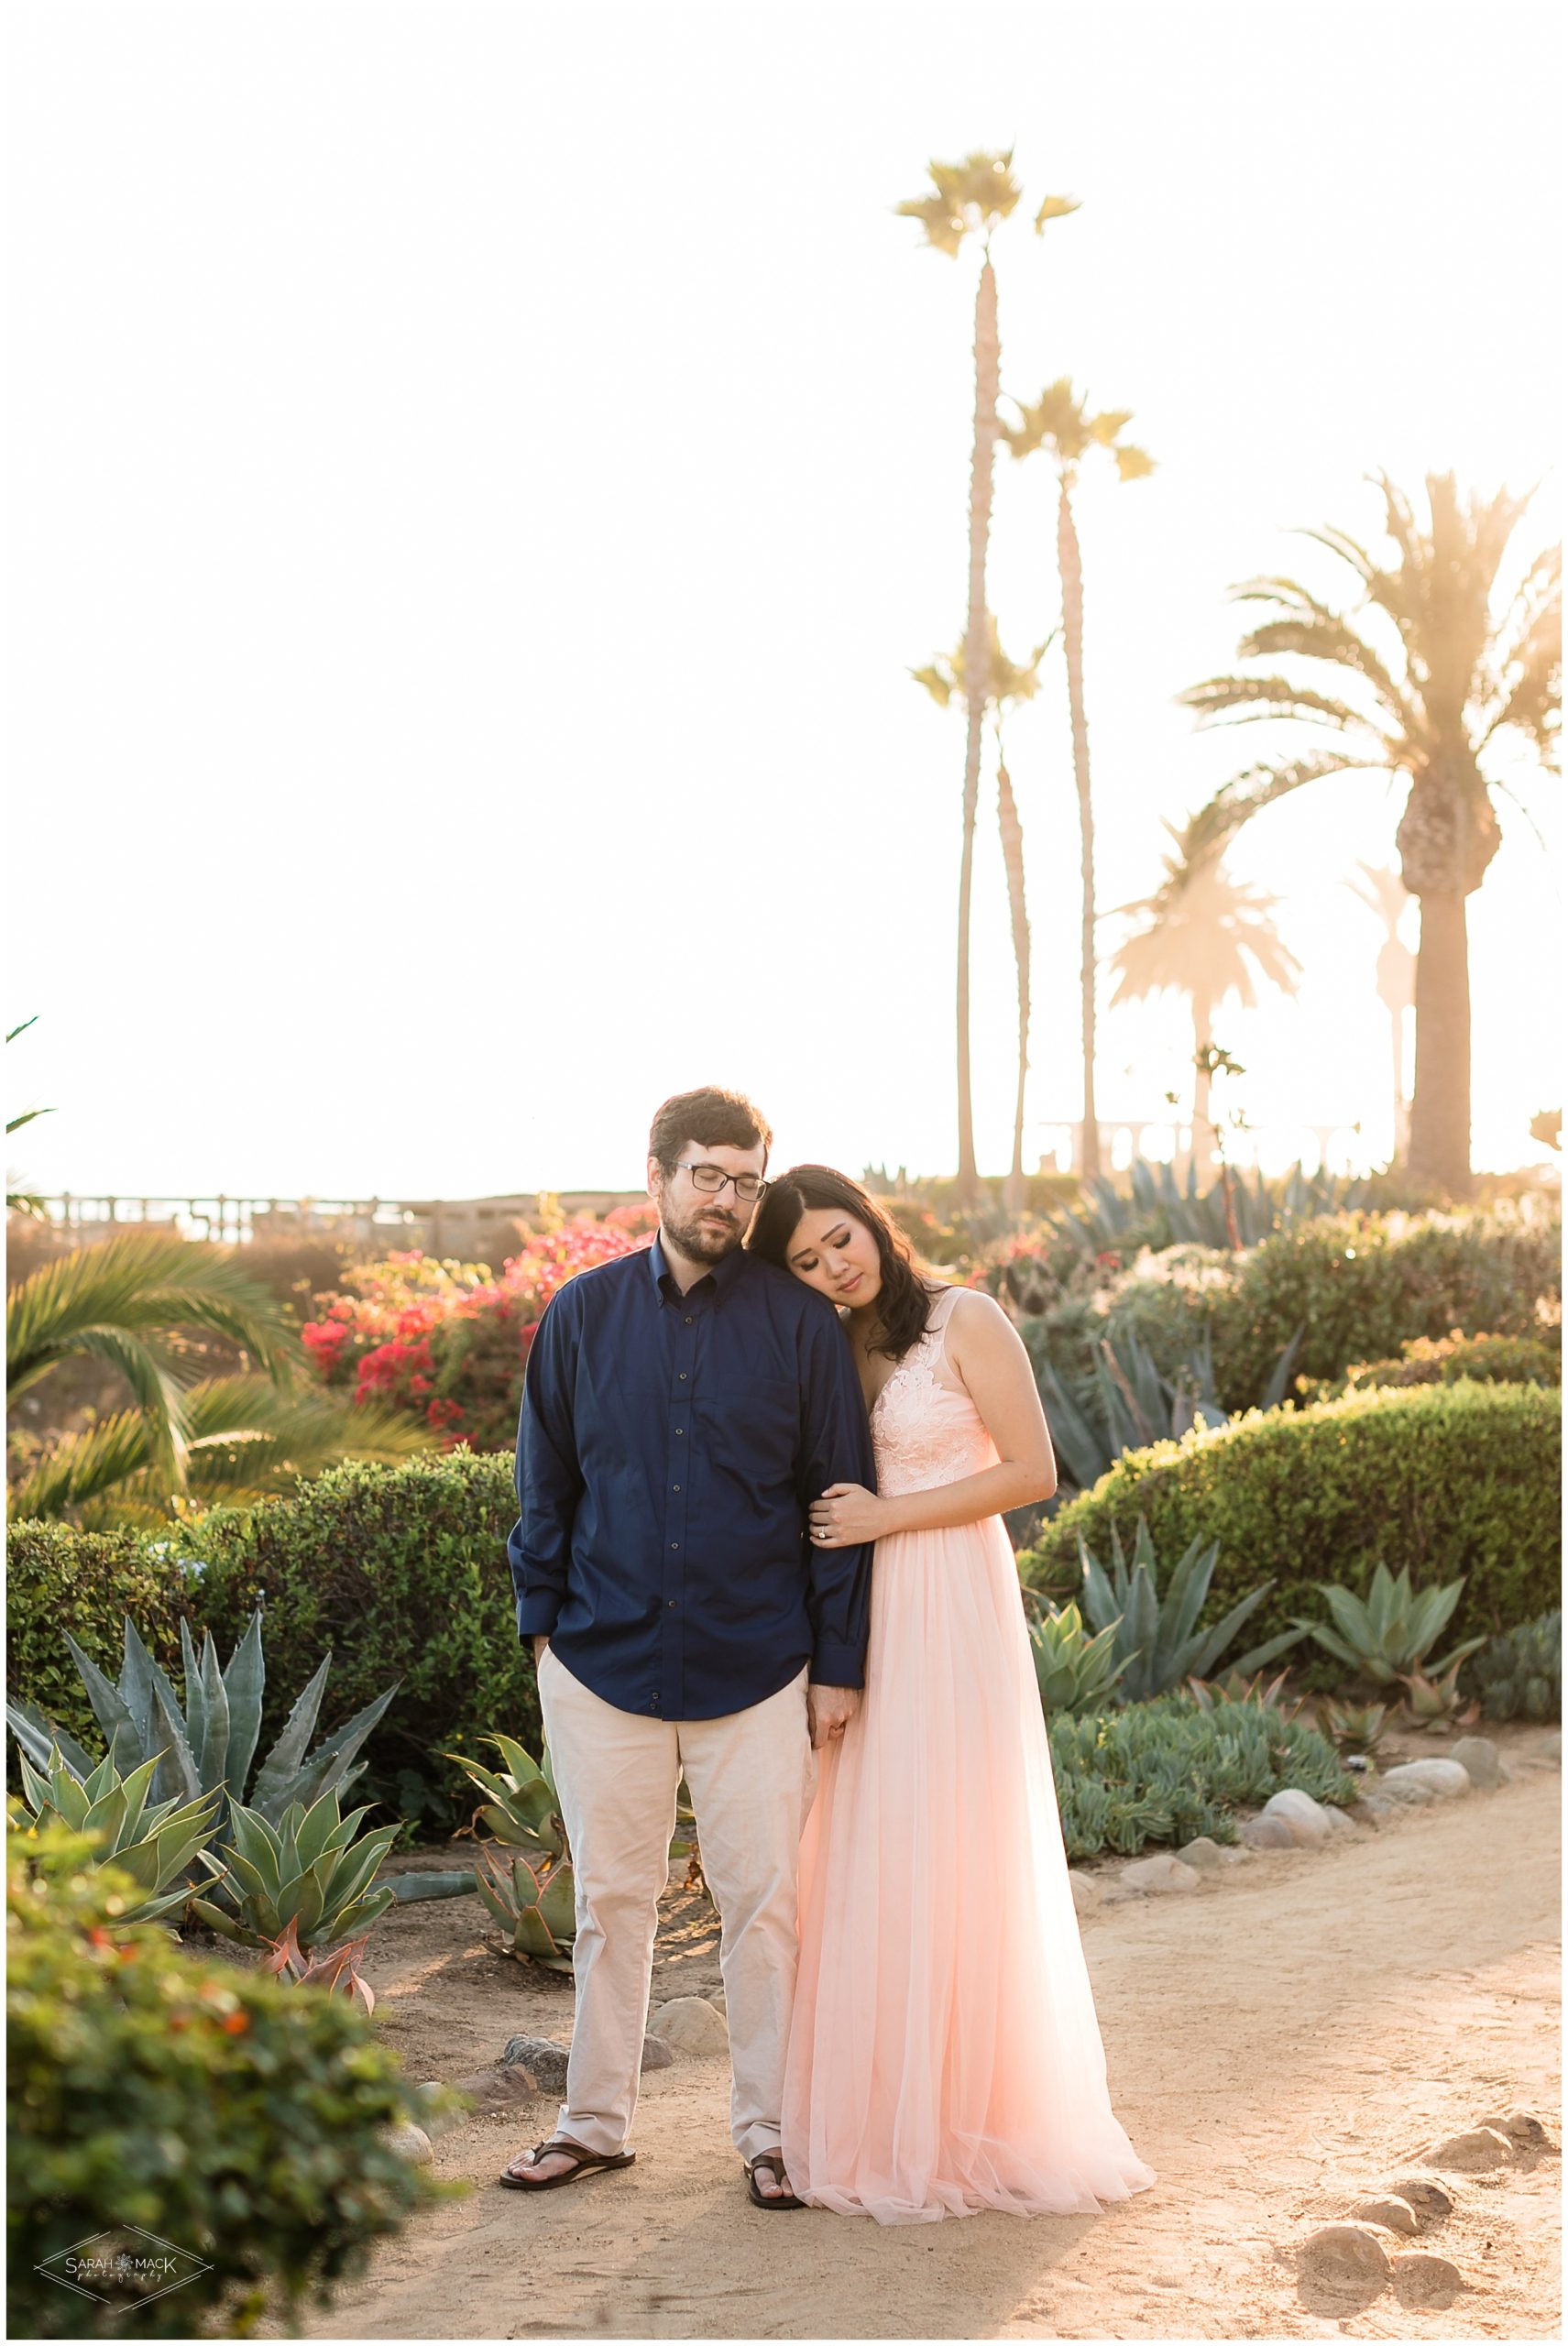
(944, 2053)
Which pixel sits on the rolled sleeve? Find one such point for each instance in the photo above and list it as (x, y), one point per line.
(549, 1480)
(836, 1448)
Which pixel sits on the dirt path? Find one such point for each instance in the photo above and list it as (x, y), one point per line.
(1280, 2043)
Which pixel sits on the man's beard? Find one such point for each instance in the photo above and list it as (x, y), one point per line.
(704, 1242)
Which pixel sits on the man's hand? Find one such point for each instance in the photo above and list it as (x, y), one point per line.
(538, 1646)
(829, 1710)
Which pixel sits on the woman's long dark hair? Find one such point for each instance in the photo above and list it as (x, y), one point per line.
(905, 1304)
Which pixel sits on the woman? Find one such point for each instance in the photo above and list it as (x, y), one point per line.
(944, 2053)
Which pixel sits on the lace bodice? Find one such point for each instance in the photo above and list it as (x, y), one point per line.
(925, 1428)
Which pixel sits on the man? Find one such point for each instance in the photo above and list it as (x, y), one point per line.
(681, 1409)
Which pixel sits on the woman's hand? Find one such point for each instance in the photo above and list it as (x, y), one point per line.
(846, 1513)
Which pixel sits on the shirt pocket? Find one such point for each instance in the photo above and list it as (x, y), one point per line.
(751, 1435)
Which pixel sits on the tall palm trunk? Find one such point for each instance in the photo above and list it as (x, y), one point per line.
(1013, 859)
(1440, 1104)
(1448, 835)
(1203, 1115)
(1072, 568)
(977, 664)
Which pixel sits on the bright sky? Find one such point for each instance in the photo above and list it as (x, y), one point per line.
(481, 475)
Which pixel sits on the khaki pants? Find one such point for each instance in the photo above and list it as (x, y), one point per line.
(750, 1776)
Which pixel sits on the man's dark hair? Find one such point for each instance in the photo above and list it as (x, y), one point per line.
(713, 1119)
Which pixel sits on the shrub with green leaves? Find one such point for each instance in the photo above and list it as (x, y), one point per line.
(1363, 1285)
(1519, 1675)
(1168, 1771)
(1487, 1359)
(398, 1573)
(57, 1579)
(1444, 1479)
(230, 2115)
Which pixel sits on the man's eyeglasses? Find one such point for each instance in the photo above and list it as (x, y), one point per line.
(713, 1180)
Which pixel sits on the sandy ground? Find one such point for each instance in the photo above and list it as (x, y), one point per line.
(1281, 2043)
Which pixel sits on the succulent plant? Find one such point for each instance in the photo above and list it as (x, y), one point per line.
(208, 1745)
(1519, 1675)
(533, 1900)
(1436, 1702)
(1156, 1636)
(525, 1807)
(155, 1843)
(1355, 1731)
(312, 1868)
(1387, 1634)
(1074, 1670)
(338, 1973)
(1209, 1692)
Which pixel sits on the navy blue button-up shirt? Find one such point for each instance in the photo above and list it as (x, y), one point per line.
(668, 1448)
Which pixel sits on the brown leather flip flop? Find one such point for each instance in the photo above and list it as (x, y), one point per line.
(774, 2161)
(587, 2163)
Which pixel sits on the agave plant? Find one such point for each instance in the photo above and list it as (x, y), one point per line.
(155, 1843)
(1353, 1729)
(1208, 1694)
(1131, 1404)
(338, 1972)
(207, 1745)
(312, 1868)
(1156, 1636)
(1436, 1702)
(1389, 1633)
(533, 1900)
(1074, 1670)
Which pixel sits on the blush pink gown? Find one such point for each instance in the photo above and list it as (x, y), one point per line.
(944, 2053)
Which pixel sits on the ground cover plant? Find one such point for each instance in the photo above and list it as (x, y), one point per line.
(122, 2049)
(1443, 1479)
(1171, 1769)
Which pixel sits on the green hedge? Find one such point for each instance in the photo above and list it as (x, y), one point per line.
(401, 1571)
(238, 2119)
(1486, 1360)
(1363, 1285)
(1443, 1478)
(86, 1582)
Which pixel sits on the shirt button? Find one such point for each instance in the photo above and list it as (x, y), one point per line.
(675, 1545)
(683, 1376)
(672, 1604)
(674, 1487)
(688, 1319)
(680, 1429)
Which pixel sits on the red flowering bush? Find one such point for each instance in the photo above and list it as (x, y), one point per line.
(448, 1342)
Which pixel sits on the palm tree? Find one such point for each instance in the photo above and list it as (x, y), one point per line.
(1204, 936)
(1431, 681)
(124, 1303)
(246, 1439)
(1384, 892)
(1006, 684)
(21, 1200)
(972, 199)
(1059, 420)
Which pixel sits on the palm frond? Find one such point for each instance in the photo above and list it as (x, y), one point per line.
(140, 1282)
(248, 1440)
